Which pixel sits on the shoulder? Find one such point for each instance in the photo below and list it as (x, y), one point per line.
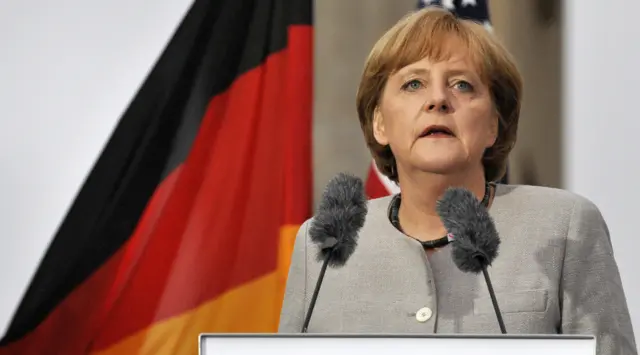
(530, 193)
(549, 198)
(550, 206)
(376, 224)
(377, 208)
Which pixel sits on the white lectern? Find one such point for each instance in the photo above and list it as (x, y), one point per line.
(347, 344)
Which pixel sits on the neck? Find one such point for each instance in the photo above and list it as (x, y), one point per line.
(420, 193)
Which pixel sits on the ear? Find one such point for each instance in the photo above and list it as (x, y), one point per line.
(379, 132)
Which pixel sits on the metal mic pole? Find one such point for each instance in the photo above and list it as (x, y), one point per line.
(503, 329)
(312, 304)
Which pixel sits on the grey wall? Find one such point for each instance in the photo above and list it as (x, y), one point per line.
(536, 45)
(345, 31)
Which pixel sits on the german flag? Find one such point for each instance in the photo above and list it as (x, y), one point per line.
(186, 221)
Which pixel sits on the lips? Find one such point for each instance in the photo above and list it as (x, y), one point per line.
(437, 131)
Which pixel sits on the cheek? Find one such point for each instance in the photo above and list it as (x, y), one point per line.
(479, 129)
(399, 122)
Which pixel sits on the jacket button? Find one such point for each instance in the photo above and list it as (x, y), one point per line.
(423, 314)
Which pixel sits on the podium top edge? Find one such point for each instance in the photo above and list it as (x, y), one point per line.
(406, 336)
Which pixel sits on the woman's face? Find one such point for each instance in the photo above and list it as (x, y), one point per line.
(437, 116)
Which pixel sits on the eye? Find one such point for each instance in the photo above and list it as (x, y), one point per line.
(463, 86)
(412, 85)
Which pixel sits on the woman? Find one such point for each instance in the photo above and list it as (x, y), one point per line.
(438, 104)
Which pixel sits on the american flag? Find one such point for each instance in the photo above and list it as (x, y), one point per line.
(476, 10)
(379, 185)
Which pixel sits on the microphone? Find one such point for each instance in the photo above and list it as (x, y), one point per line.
(334, 228)
(475, 238)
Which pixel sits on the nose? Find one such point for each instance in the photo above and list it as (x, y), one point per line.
(437, 103)
(441, 107)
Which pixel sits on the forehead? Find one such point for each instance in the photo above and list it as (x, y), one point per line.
(451, 52)
(456, 63)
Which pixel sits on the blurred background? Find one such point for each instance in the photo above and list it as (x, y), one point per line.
(70, 72)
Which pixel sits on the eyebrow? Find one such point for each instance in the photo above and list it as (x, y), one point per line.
(451, 72)
(416, 71)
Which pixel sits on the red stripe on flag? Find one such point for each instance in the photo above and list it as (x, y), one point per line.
(298, 91)
(374, 188)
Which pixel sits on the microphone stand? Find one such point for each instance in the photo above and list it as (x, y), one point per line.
(503, 329)
(312, 304)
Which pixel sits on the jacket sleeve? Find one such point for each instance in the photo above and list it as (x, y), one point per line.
(592, 296)
(293, 305)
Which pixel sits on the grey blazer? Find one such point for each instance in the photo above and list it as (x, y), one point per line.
(555, 273)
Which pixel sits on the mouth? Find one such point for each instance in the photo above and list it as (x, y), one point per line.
(437, 132)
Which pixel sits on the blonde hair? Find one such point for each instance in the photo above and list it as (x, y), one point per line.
(427, 33)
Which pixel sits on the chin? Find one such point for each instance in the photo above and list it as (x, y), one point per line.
(441, 165)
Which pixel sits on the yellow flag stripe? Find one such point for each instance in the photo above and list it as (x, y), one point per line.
(253, 307)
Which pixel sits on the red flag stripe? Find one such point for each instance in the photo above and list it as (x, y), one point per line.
(378, 185)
